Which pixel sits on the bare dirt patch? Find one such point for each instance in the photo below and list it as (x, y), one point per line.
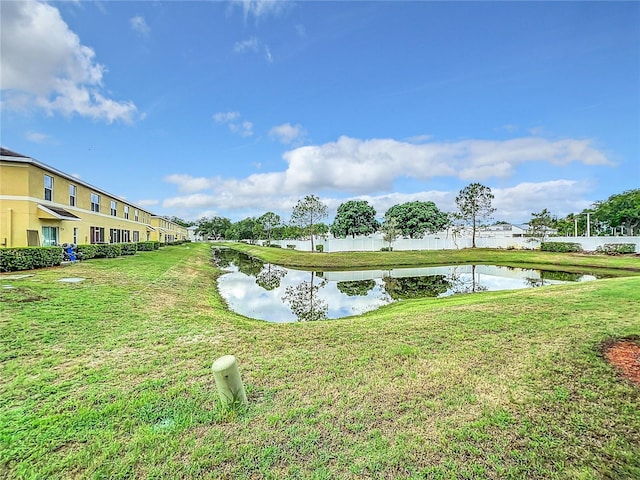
(624, 355)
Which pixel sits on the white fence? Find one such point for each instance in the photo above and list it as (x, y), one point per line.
(446, 242)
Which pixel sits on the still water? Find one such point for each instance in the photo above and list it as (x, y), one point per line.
(277, 294)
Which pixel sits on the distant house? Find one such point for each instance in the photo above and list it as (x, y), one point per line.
(41, 206)
(508, 230)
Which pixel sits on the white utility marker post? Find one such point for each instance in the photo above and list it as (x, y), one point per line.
(228, 381)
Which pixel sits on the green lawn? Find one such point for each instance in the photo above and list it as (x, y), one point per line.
(111, 377)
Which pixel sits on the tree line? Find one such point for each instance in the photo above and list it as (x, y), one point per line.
(620, 213)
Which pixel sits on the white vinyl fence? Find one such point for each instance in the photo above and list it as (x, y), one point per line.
(446, 242)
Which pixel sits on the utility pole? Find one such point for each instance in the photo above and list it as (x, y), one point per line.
(588, 224)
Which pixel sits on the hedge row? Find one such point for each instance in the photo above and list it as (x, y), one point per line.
(29, 258)
(560, 247)
(617, 248)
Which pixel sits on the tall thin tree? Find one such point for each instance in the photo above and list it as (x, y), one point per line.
(474, 204)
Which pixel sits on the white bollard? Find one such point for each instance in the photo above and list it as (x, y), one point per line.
(228, 381)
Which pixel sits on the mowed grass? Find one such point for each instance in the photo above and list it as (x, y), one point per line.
(111, 378)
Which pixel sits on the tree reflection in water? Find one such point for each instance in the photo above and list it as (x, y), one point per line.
(305, 302)
(356, 288)
(415, 287)
(270, 277)
(461, 283)
(226, 257)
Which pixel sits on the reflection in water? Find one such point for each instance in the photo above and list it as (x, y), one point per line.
(469, 283)
(226, 257)
(305, 302)
(270, 277)
(356, 288)
(416, 287)
(277, 294)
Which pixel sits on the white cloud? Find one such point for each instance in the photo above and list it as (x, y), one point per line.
(367, 169)
(244, 128)
(250, 45)
(187, 183)
(37, 137)
(287, 133)
(560, 197)
(197, 200)
(139, 25)
(148, 202)
(267, 54)
(44, 65)
(262, 8)
(226, 117)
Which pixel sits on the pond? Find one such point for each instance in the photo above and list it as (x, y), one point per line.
(278, 294)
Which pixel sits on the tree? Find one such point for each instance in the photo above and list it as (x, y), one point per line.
(355, 217)
(269, 221)
(540, 224)
(390, 231)
(417, 218)
(245, 229)
(179, 221)
(474, 204)
(621, 210)
(307, 214)
(215, 227)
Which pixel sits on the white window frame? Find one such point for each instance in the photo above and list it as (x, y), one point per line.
(48, 187)
(73, 190)
(95, 202)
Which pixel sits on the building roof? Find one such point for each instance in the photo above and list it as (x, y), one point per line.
(11, 156)
(5, 152)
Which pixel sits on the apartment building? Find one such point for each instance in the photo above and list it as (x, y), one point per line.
(166, 231)
(41, 206)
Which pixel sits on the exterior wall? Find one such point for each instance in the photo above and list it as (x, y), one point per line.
(22, 189)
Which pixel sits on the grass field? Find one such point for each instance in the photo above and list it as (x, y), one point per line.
(111, 377)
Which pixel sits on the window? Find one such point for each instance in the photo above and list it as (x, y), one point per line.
(97, 235)
(126, 236)
(126, 212)
(136, 236)
(49, 236)
(75, 235)
(48, 187)
(136, 215)
(95, 202)
(72, 195)
(115, 235)
(114, 204)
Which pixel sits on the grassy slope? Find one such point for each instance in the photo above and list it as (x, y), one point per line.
(111, 378)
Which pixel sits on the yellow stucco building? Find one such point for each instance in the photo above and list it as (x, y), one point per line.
(42, 206)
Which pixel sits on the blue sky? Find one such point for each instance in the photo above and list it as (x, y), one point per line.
(237, 108)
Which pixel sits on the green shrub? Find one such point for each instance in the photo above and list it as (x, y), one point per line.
(128, 248)
(319, 248)
(144, 246)
(108, 250)
(156, 245)
(560, 247)
(386, 249)
(28, 258)
(617, 248)
(85, 252)
(291, 247)
(274, 245)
